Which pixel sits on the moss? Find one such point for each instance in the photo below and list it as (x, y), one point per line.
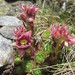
(3, 10)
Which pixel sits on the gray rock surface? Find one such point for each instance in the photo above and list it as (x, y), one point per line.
(3, 9)
(6, 54)
(6, 51)
(7, 31)
(12, 8)
(9, 21)
(2, 39)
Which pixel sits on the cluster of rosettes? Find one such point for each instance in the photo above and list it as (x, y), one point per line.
(61, 33)
(29, 13)
(23, 39)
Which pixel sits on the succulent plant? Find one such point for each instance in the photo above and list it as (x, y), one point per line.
(18, 60)
(54, 39)
(37, 71)
(19, 70)
(28, 65)
(39, 57)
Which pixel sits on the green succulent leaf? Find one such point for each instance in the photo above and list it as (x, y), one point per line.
(46, 34)
(37, 71)
(17, 61)
(28, 65)
(39, 57)
(47, 47)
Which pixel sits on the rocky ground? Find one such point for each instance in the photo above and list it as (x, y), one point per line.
(9, 14)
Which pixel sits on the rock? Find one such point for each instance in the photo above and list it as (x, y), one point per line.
(3, 9)
(9, 21)
(6, 51)
(5, 40)
(7, 31)
(14, 9)
(22, 3)
(2, 2)
(6, 54)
